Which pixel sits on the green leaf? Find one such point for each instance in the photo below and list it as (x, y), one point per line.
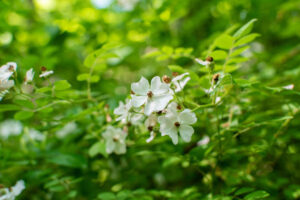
(238, 51)
(244, 30)
(244, 190)
(22, 115)
(95, 79)
(224, 41)
(107, 196)
(219, 55)
(62, 85)
(246, 39)
(97, 148)
(24, 103)
(176, 68)
(83, 77)
(67, 160)
(9, 107)
(257, 195)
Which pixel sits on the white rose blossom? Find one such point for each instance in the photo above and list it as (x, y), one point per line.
(180, 81)
(46, 73)
(115, 140)
(150, 123)
(13, 192)
(29, 76)
(126, 113)
(174, 122)
(155, 96)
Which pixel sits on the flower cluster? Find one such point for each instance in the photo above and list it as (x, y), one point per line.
(156, 104)
(7, 71)
(13, 192)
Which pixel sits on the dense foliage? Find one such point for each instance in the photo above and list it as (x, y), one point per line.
(161, 99)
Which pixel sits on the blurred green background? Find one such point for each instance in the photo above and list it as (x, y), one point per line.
(59, 34)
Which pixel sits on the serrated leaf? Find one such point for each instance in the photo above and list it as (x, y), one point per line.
(219, 55)
(224, 41)
(244, 30)
(62, 85)
(246, 39)
(22, 115)
(257, 195)
(238, 51)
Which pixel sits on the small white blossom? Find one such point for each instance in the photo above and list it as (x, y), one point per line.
(29, 76)
(66, 130)
(204, 141)
(126, 113)
(174, 122)
(155, 97)
(35, 135)
(46, 73)
(289, 87)
(9, 128)
(13, 192)
(150, 123)
(180, 81)
(202, 62)
(115, 140)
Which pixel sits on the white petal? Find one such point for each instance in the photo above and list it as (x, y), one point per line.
(120, 148)
(152, 136)
(201, 62)
(186, 132)
(13, 64)
(138, 101)
(141, 87)
(166, 124)
(18, 188)
(120, 109)
(149, 107)
(4, 85)
(135, 118)
(203, 141)
(179, 77)
(187, 117)
(4, 76)
(46, 73)
(172, 109)
(173, 135)
(161, 101)
(110, 146)
(157, 87)
(180, 84)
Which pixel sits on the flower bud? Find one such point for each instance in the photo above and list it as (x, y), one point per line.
(166, 79)
(174, 74)
(209, 59)
(216, 78)
(43, 69)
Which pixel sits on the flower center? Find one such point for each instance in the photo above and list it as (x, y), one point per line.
(43, 68)
(11, 68)
(209, 59)
(150, 128)
(115, 139)
(166, 79)
(177, 124)
(150, 94)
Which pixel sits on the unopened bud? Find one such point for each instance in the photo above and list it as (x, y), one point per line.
(209, 59)
(166, 79)
(175, 74)
(216, 78)
(43, 68)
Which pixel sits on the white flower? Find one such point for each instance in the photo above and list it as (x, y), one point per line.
(36, 135)
(6, 84)
(204, 141)
(13, 192)
(124, 110)
(150, 123)
(174, 122)
(115, 140)
(202, 62)
(12, 66)
(46, 73)
(289, 87)
(155, 97)
(66, 130)
(180, 81)
(29, 76)
(10, 127)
